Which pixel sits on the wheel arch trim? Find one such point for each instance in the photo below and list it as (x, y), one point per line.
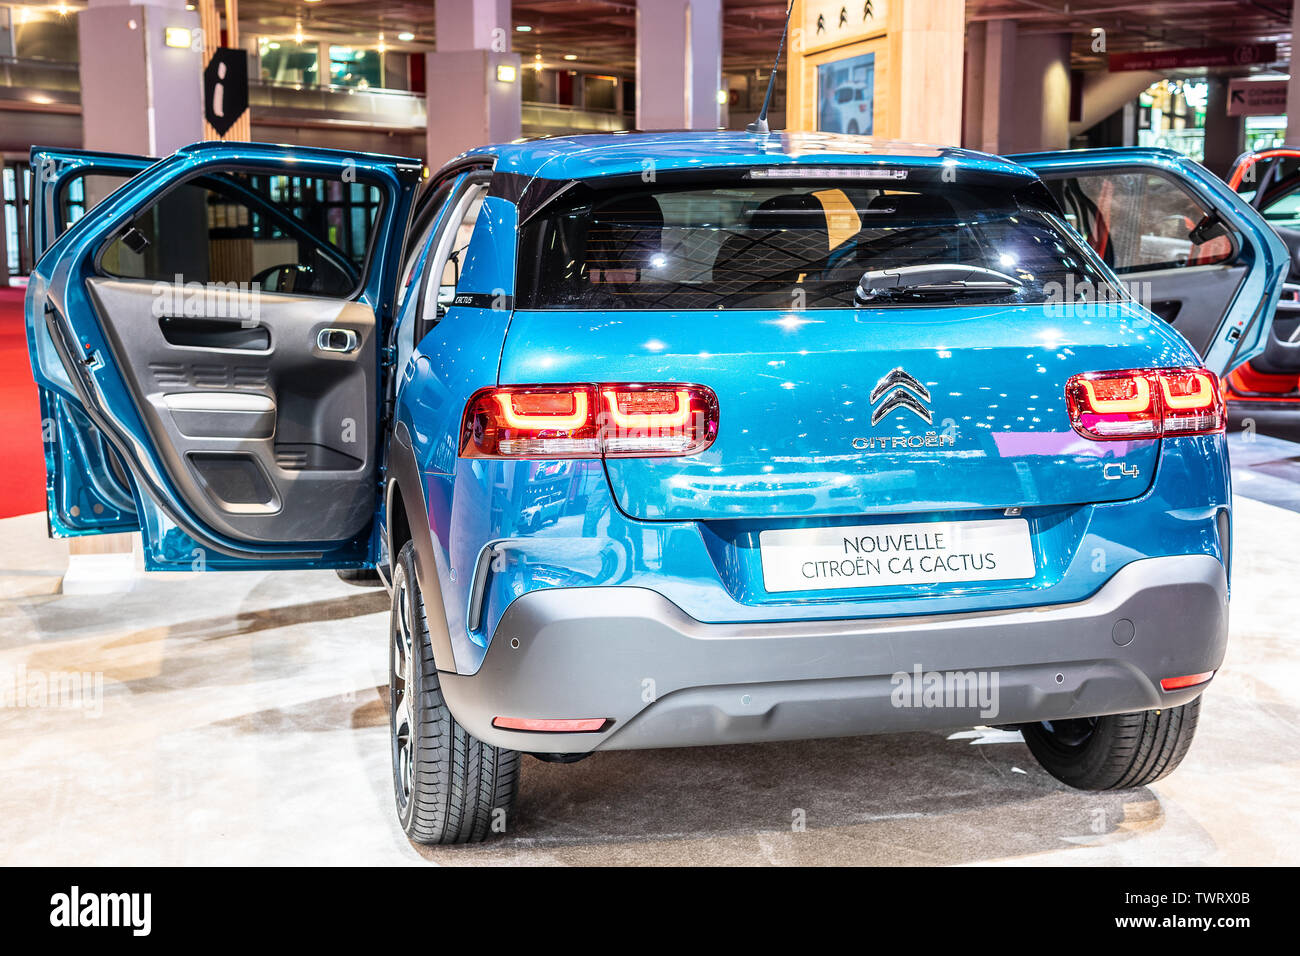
(404, 484)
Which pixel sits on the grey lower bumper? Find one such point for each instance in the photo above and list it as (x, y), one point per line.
(666, 680)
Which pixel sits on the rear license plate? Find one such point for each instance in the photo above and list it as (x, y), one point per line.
(872, 556)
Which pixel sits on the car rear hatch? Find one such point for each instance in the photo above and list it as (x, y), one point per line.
(880, 338)
(850, 412)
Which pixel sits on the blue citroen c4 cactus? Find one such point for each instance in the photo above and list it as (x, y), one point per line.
(678, 439)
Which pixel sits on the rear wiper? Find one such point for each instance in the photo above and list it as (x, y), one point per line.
(879, 285)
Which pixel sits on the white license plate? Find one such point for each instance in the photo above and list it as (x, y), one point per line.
(873, 556)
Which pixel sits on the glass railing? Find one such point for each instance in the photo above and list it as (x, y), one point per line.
(400, 109)
(540, 118)
(394, 109)
(30, 74)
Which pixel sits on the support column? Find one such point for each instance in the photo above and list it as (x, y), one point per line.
(212, 21)
(926, 42)
(1224, 135)
(472, 79)
(999, 83)
(678, 64)
(972, 119)
(1026, 85)
(138, 95)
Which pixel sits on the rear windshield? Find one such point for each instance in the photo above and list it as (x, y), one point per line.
(771, 245)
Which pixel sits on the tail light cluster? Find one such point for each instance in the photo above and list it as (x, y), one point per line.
(1144, 403)
(589, 421)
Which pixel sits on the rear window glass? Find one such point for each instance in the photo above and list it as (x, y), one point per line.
(767, 245)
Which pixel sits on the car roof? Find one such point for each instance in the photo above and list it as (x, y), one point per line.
(583, 156)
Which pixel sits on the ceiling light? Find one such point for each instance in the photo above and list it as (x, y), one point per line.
(523, 28)
(406, 36)
(570, 56)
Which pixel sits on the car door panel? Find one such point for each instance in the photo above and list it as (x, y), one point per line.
(265, 443)
(1224, 307)
(252, 438)
(1193, 300)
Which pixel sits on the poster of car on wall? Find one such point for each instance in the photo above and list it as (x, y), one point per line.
(845, 93)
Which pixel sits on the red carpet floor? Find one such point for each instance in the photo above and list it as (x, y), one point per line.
(22, 477)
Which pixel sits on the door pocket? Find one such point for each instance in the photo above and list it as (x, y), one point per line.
(235, 482)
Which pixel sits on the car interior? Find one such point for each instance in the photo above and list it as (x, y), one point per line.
(1174, 255)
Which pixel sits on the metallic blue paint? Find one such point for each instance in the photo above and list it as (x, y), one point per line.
(794, 390)
(580, 157)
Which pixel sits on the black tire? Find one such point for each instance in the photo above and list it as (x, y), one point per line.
(361, 577)
(449, 787)
(1114, 752)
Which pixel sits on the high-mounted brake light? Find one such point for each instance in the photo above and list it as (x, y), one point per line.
(1144, 403)
(589, 421)
(793, 171)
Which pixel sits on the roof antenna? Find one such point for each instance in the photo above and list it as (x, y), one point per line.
(760, 125)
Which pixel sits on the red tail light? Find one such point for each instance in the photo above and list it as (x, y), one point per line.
(589, 421)
(1188, 680)
(552, 725)
(1144, 403)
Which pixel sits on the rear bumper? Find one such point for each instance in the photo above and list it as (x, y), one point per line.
(664, 679)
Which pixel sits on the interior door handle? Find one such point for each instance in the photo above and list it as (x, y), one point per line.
(336, 340)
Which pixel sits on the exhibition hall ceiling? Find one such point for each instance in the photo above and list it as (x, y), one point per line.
(601, 34)
(1155, 24)
(591, 33)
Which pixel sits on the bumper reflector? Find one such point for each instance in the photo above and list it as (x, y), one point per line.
(552, 725)
(1189, 680)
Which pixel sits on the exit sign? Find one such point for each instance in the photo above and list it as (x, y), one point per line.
(1248, 97)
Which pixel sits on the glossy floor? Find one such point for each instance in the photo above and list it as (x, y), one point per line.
(242, 720)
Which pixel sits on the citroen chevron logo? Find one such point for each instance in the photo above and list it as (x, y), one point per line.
(900, 390)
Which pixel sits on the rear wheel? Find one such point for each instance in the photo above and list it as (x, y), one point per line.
(1117, 751)
(449, 787)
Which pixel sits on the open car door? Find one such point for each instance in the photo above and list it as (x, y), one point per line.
(1270, 181)
(219, 320)
(86, 488)
(1184, 244)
